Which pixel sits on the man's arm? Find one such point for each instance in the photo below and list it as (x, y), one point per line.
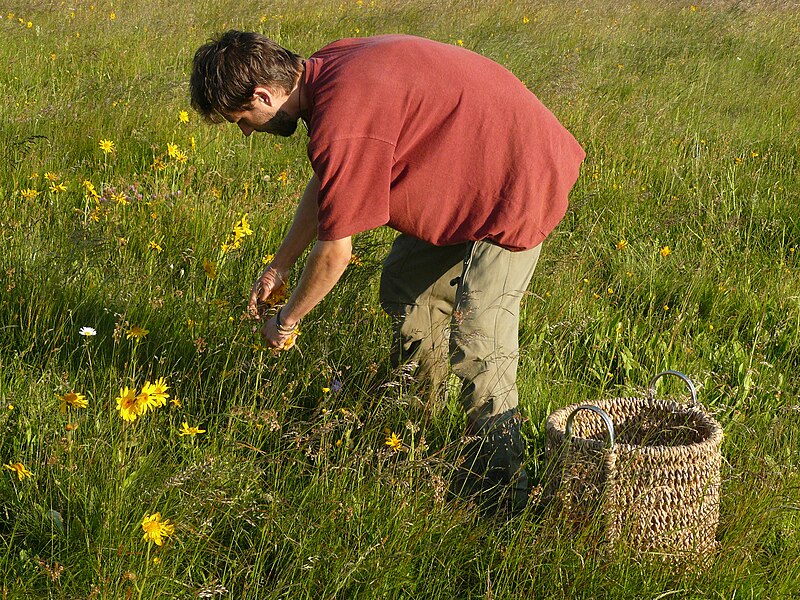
(301, 233)
(325, 266)
(303, 230)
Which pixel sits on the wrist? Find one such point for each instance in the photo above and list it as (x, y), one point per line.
(285, 325)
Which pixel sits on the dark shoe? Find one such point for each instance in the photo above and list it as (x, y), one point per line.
(491, 472)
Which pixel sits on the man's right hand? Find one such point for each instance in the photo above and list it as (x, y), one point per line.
(268, 290)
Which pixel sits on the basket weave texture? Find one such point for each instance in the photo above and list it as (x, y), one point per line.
(656, 489)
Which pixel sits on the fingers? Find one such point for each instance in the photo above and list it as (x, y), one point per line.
(252, 305)
(262, 288)
(277, 340)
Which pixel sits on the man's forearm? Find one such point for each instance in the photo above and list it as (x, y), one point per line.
(326, 263)
(303, 230)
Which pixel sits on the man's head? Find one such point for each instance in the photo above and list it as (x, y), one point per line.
(245, 78)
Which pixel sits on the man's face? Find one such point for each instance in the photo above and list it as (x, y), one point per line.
(261, 116)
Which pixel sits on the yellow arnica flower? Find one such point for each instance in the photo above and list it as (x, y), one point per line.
(290, 341)
(74, 400)
(52, 177)
(242, 228)
(665, 251)
(90, 189)
(106, 146)
(394, 442)
(622, 244)
(29, 193)
(277, 296)
(136, 332)
(129, 405)
(155, 530)
(120, 198)
(183, 116)
(154, 395)
(19, 469)
(186, 430)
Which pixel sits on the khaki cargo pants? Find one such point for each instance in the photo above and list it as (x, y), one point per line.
(459, 303)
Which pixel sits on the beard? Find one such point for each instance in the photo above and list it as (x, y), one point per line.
(281, 124)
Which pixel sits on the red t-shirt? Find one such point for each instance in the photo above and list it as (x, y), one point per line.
(435, 141)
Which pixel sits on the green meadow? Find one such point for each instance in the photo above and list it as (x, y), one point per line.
(269, 474)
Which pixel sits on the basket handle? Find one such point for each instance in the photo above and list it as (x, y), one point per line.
(651, 394)
(597, 410)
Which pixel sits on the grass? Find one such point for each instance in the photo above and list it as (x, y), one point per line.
(689, 115)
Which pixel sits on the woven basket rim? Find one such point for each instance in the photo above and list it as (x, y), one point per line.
(556, 424)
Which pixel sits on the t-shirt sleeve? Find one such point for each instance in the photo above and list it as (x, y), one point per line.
(355, 176)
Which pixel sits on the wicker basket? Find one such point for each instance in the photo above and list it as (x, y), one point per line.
(650, 469)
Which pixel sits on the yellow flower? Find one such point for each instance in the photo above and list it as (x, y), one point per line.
(283, 177)
(155, 529)
(128, 404)
(120, 198)
(112, 16)
(19, 469)
(29, 193)
(154, 246)
(242, 228)
(143, 400)
(52, 177)
(277, 296)
(136, 333)
(210, 268)
(157, 392)
(394, 442)
(622, 244)
(183, 116)
(172, 150)
(665, 251)
(106, 146)
(460, 42)
(290, 341)
(90, 189)
(186, 430)
(526, 20)
(57, 188)
(158, 164)
(74, 400)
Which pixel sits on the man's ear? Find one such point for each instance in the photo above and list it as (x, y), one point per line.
(264, 94)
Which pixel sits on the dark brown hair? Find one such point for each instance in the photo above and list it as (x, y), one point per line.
(227, 70)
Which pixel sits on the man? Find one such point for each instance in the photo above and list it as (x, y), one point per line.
(443, 145)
